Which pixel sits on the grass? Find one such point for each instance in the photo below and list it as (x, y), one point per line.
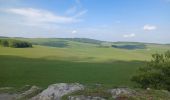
(17, 71)
(81, 52)
(78, 62)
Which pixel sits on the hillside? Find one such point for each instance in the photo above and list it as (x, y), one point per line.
(82, 49)
(68, 60)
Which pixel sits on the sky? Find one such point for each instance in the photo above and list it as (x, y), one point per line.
(108, 20)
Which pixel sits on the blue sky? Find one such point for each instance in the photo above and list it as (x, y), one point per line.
(110, 20)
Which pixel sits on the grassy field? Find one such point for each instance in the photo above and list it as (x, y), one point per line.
(17, 71)
(77, 62)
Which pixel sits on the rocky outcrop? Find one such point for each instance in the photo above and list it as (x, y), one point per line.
(76, 91)
(121, 91)
(33, 91)
(81, 97)
(56, 91)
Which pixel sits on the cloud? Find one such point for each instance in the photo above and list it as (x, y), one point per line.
(43, 16)
(74, 32)
(71, 10)
(131, 35)
(77, 10)
(149, 27)
(81, 13)
(74, 10)
(29, 21)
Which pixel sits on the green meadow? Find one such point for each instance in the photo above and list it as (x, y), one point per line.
(73, 60)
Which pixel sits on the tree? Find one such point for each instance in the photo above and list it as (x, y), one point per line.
(4, 43)
(156, 73)
(14, 43)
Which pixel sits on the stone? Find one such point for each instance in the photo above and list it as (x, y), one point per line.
(121, 91)
(56, 91)
(82, 97)
(34, 90)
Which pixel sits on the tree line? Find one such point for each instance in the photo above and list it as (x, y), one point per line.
(14, 43)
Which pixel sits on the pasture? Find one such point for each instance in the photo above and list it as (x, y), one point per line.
(80, 62)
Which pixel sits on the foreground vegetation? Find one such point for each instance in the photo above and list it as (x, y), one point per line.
(156, 74)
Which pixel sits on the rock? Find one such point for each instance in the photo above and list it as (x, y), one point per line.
(34, 90)
(7, 96)
(81, 97)
(121, 91)
(148, 89)
(56, 91)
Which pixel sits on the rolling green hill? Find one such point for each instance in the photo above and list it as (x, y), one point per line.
(80, 50)
(53, 60)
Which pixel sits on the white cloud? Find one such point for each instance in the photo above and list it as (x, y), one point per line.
(74, 32)
(29, 21)
(77, 10)
(131, 35)
(149, 27)
(43, 16)
(71, 10)
(74, 10)
(80, 13)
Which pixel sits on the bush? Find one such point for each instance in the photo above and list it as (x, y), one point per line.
(4, 43)
(156, 73)
(14, 43)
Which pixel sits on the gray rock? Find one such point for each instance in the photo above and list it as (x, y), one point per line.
(121, 91)
(34, 90)
(7, 96)
(56, 91)
(81, 97)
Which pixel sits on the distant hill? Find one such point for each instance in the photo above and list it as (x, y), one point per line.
(130, 47)
(61, 42)
(66, 42)
(3, 37)
(85, 40)
(70, 42)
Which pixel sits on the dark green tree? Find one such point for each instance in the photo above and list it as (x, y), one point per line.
(4, 43)
(15, 43)
(156, 73)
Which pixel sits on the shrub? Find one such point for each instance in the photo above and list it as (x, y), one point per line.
(4, 43)
(156, 73)
(14, 43)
